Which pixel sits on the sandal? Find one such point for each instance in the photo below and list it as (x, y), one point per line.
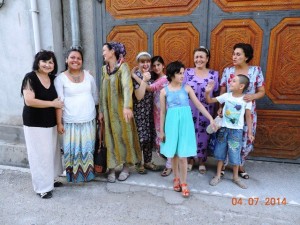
(123, 176)
(244, 175)
(111, 177)
(166, 172)
(151, 166)
(176, 184)
(202, 169)
(190, 164)
(46, 195)
(222, 173)
(57, 183)
(239, 183)
(140, 169)
(215, 181)
(185, 190)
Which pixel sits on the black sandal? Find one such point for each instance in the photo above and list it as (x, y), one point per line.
(46, 195)
(244, 175)
(57, 183)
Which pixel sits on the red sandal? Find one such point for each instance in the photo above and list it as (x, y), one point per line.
(176, 184)
(185, 190)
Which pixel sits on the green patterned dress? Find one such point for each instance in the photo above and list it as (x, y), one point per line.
(121, 138)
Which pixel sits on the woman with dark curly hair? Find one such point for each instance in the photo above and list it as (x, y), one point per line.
(242, 55)
(40, 101)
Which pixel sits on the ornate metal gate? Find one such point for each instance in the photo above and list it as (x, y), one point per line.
(173, 29)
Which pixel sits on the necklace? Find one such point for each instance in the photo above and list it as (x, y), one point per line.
(75, 78)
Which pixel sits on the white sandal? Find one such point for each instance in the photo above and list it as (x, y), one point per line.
(202, 169)
(123, 176)
(189, 167)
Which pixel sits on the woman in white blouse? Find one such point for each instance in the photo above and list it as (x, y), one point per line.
(77, 120)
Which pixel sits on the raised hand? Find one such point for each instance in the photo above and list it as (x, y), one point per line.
(146, 76)
(210, 86)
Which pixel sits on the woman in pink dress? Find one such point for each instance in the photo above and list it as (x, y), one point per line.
(242, 55)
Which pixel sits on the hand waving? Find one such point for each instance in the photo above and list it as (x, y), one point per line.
(210, 86)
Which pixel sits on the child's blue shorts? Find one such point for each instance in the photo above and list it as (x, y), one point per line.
(229, 141)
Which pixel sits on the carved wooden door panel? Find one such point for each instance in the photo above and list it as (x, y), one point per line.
(173, 29)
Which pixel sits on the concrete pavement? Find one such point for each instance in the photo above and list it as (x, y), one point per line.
(149, 199)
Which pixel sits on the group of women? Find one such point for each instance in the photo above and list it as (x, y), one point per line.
(129, 108)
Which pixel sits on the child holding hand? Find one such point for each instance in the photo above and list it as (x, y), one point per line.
(230, 136)
(177, 131)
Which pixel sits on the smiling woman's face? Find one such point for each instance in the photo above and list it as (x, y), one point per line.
(74, 60)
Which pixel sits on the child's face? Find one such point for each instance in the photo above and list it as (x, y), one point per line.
(178, 78)
(144, 65)
(157, 67)
(235, 84)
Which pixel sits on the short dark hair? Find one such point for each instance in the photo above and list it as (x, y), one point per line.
(243, 79)
(206, 51)
(73, 50)
(45, 55)
(247, 48)
(172, 68)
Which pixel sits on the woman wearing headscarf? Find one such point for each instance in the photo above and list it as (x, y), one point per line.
(121, 137)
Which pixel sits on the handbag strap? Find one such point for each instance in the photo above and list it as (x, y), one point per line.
(101, 134)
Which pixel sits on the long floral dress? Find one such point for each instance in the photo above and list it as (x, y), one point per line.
(121, 138)
(143, 115)
(156, 87)
(198, 84)
(256, 80)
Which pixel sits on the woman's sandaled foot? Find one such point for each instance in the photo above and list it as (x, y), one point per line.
(111, 177)
(123, 176)
(215, 181)
(151, 166)
(202, 169)
(244, 175)
(184, 190)
(46, 195)
(166, 172)
(176, 184)
(222, 173)
(239, 183)
(190, 165)
(140, 169)
(57, 183)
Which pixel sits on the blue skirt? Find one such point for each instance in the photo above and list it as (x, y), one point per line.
(180, 133)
